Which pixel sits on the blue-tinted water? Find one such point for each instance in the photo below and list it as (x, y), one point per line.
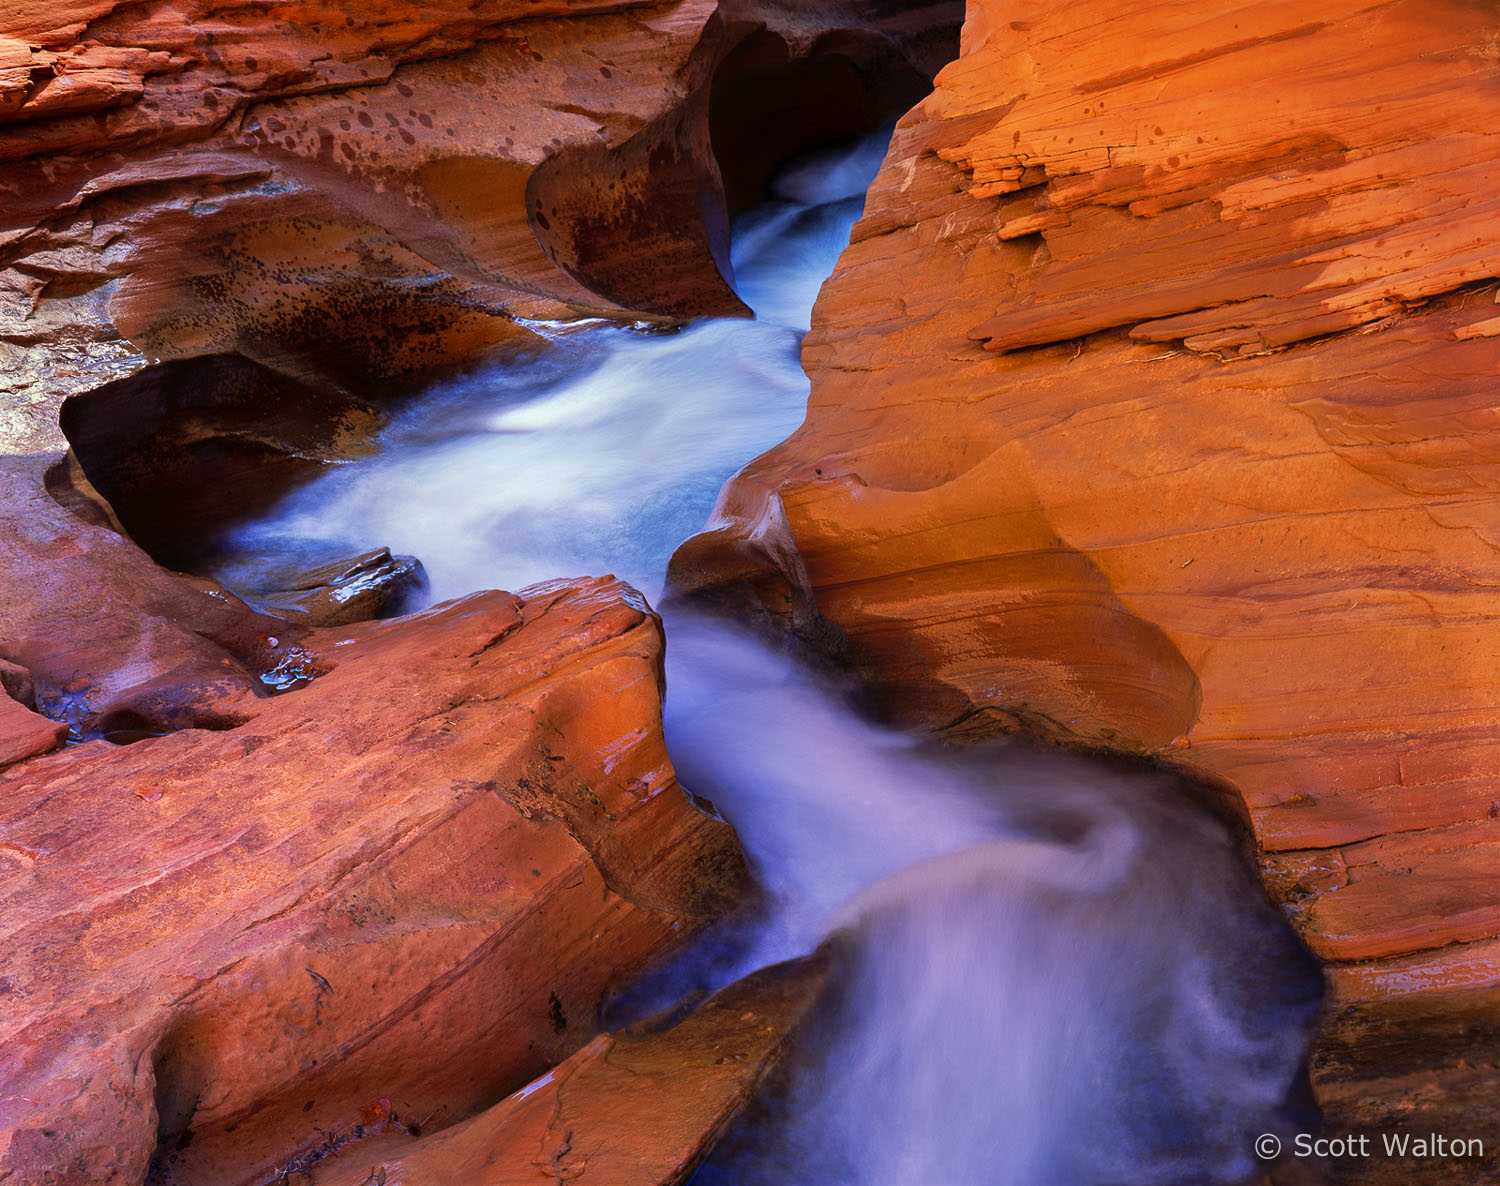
(1050, 972)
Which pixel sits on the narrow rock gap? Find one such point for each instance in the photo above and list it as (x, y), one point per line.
(246, 434)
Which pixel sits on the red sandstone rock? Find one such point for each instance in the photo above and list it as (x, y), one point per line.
(631, 1109)
(365, 196)
(1153, 408)
(25, 734)
(109, 639)
(413, 879)
(286, 215)
(351, 589)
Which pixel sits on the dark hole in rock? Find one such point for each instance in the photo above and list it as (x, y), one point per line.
(17, 683)
(123, 728)
(183, 449)
(126, 726)
(647, 223)
(177, 1091)
(767, 108)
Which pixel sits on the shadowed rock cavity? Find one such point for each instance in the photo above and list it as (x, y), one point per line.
(646, 223)
(767, 106)
(185, 448)
(178, 453)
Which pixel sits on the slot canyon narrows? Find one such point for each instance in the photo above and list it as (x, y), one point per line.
(747, 593)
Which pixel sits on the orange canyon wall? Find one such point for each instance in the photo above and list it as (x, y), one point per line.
(1154, 408)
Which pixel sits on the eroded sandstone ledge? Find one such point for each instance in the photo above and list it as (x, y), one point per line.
(1153, 408)
(638, 1108)
(414, 879)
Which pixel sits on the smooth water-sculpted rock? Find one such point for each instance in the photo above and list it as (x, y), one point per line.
(413, 880)
(630, 1109)
(351, 589)
(106, 638)
(25, 734)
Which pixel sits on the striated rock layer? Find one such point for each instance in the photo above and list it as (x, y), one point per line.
(629, 1109)
(405, 887)
(354, 198)
(1153, 409)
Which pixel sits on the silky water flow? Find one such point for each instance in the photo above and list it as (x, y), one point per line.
(1047, 970)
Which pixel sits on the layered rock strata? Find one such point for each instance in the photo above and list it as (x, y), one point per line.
(357, 198)
(413, 880)
(1153, 409)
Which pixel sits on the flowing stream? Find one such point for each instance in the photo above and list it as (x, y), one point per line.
(1049, 970)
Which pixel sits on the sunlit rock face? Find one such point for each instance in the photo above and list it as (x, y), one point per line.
(404, 885)
(1153, 409)
(363, 196)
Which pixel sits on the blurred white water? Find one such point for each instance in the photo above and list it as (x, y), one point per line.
(601, 452)
(1049, 972)
(825, 803)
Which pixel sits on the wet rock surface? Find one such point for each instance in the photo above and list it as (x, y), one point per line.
(354, 589)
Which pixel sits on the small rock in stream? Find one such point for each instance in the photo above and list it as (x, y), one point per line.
(350, 589)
